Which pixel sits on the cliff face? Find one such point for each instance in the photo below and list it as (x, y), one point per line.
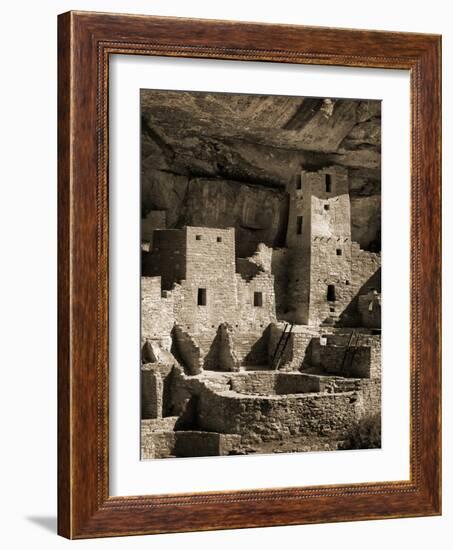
(224, 159)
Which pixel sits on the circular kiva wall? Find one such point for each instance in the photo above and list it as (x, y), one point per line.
(274, 417)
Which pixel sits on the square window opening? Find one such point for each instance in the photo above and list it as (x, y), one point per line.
(326, 207)
(198, 237)
(202, 297)
(219, 239)
(339, 252)
(331, 293)
(300, 220)
(258, 299)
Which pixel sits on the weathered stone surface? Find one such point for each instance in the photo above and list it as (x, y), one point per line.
(252, 279)
(366, 221)
(248, 148)
(227, 356)
(266, 418)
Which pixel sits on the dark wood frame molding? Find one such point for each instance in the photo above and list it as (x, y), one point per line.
(85, 41)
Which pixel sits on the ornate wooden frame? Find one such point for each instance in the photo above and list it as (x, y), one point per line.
(85, 41)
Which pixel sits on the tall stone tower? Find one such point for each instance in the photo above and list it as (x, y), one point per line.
(319, 241)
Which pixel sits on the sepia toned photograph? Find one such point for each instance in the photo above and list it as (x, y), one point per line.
(260, 274)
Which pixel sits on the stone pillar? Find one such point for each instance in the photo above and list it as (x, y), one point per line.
(152, 388)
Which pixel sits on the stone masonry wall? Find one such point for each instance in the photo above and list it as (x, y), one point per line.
(328, 268)
(154, 388)
(369, 306)
(157, 313)
(274, 383)
(168, 443)
(297, 350)
(279, 269)
(210, 266)
(330, 254)
(365, 265)
(250, 347)
(228, 359)
(167, 258)
(247, 312)
(258, 418)
(359, 356)
(365, 276)
(319, 239)
(151, 394)
(370, 397)
(247, 269)
(207, 261)
(203, 259)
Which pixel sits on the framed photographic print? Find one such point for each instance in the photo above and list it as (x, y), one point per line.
(249, 275)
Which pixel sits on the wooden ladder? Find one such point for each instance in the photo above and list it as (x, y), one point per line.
(350, 354)
(281, 346)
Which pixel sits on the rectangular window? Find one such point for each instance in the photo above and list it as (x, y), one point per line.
(201, 299)
(198, 237)
(331, 293)
(328, 183)
(299, 183)
(339, 252)
(300, 220)
(219, 239)
(258, 299)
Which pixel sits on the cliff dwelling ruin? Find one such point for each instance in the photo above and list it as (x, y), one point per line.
(252, 342)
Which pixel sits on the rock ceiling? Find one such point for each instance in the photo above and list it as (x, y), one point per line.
(224, 159)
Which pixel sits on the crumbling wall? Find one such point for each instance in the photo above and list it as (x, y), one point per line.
(262, 257)
(249, 310)
(157, 311)
(154, 388)
(187, 350)
(227, 357)
(206, 291)
(251, 346)
(247, 269)
(248, 346)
